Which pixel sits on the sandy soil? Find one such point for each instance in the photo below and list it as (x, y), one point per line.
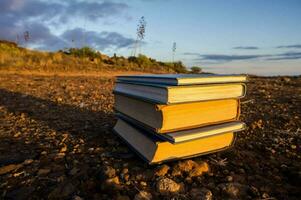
(56, 143)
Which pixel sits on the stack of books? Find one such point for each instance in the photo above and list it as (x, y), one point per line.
(174, 116)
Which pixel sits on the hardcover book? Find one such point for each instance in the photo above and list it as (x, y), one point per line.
(167, 118)
(183, 79)
(190, 134)
(155, 150)
(164, 94)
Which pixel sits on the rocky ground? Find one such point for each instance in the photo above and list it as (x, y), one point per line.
(56, 143)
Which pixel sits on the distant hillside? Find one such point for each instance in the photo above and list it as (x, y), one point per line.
(15, 58)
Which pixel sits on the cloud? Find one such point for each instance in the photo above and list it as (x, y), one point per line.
(228, 58)
(223, 58)
(98, 40)
(38, 17)
(95, 10)
(295, 46)
(286, 56)
(246, 47)
(191, 54)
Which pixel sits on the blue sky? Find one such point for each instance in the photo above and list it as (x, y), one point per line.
(233, 36)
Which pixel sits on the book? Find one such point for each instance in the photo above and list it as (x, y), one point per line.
(190, 134)
(164, 94)
(167, 118)
(183, 79)
(155, 150)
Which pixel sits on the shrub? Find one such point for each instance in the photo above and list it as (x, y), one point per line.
(195, 70)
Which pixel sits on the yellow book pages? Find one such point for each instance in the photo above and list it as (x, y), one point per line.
(155, 150)
(168, 151)
(212, 92)
(182, 116)
(174, 117)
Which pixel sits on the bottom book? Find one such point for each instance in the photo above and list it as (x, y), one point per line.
(155, 150)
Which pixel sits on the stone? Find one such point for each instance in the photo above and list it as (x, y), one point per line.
(112, 182)
(75, 197)
(43, 171)
(122, 197)
(8, 168)
(108, 172)
(63, 190)
(21, 193)
(28, 161)
(64, 149)
(201, 193)
(176, 171)
(162, 170)
(229, 178)
(187, 165)
(167, 186)
(143, 183)
(198, 170)
(234, 190)
(74, 171)
(125, 170)
(143, 195)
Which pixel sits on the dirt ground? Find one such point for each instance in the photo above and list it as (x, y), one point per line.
(56, 143)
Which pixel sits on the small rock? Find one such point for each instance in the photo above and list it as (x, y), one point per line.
(234, 190)
(17, 134)
(162, 170)
(108, 172)
(143, 195)
(125, 170)
(229, 178)
(167, 186)
(201, 193)
(77, 198)
(20, 193)
(111, 184)
(74, 171)
(60, 155)
(122, 197)
(28, 161)
(43, 171)
(64, 190)
(63, 149)
(143, 183)
(9, 168)
(126, 177)
(187, 165)
(199, 169)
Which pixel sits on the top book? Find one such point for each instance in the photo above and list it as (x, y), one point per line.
(183, 79)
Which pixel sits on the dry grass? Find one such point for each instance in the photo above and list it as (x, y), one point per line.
(15, 59)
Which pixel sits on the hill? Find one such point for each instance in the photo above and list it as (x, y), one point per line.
(86, 59)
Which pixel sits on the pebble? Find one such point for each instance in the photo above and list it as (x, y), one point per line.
(167, 186)
(143, 183)
(108, 171)
(199, 170)
(43, 171)
(112, 182)
(9, 168)
(187, 165)
(62, 191)
(229, 178)
(162, 170)
(28, 161)
(233, 190)
(201, 193)
(74, 171)
(143, 195)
